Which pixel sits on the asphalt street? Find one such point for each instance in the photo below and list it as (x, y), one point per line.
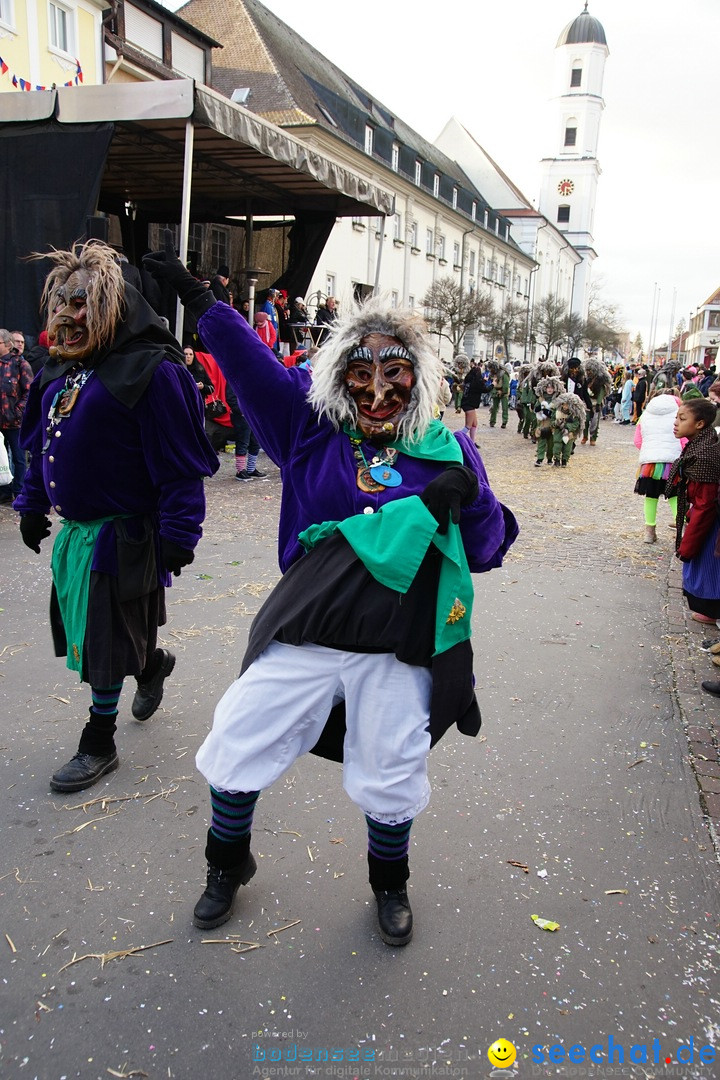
(579, 803)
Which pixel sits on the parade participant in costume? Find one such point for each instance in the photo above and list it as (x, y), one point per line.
(689, 390)
(524, 392)
(575, 382)
(500, 393)
(362, 651)
(694, 479)
(567, 421)
(666, 378)
(114, 427)
(460, 368)
(658, 448)
(546, 391)
(599, 385)
(543, 369)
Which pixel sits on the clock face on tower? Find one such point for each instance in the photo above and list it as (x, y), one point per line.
(566, 187)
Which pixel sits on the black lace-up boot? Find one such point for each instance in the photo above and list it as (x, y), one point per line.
(387, 880)
(230, 865)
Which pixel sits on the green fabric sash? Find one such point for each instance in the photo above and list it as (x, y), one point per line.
(437, 444)
(71, 563)
(393, 542)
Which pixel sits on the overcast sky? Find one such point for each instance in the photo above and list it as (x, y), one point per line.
(489, 63)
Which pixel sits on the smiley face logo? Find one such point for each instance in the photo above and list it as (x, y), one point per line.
(502, 1054)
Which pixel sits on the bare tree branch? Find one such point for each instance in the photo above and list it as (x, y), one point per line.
(452, 312)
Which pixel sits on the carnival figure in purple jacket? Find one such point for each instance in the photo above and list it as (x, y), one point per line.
(114, 425)
(362, 651)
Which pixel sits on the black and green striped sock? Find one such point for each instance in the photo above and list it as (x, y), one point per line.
(388, 842)
(232, 813)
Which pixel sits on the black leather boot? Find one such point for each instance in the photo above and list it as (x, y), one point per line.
(387, 880)
(395, 917)
(96, 755)
(83, 771)
(230, 865)
(149, 691)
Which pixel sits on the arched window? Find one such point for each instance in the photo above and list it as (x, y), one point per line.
(571, 132)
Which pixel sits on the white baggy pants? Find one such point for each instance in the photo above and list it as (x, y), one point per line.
(277, 709)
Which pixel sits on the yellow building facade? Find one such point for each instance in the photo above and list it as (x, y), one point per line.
(49, 42)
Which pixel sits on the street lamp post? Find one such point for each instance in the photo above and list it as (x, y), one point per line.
(252, 273)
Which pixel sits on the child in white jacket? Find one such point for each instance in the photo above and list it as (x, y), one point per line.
(658, 449)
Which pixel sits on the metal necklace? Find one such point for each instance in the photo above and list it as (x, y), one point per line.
(378, 473)
(64, 400)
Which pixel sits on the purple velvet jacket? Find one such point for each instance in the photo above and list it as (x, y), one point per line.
(110, 460)
(318, 467)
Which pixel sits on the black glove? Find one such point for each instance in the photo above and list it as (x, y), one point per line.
(165, 266)
(174, 557)
(33, 529)
(456, 487)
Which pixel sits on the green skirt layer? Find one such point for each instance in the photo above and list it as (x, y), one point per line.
(71, 563)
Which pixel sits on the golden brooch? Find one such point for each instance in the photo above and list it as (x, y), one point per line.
(457, 611)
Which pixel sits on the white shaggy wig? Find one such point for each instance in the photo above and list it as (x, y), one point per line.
(329, 395)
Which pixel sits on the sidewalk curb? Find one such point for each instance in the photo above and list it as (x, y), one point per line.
(700, 721)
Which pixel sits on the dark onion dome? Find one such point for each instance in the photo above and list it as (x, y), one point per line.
(583, 30)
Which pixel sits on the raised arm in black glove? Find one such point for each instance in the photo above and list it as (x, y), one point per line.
(174, 557)
(165, 266)
(443, 496)
(33, 529)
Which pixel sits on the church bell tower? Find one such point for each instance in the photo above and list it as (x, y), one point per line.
(570, 178)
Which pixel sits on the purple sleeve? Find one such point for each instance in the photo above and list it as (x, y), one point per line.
(33, 498)
(271, 396)
(487, 527)
(177, 452)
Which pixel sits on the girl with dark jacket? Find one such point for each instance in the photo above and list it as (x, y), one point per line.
(694, 478)
(198, 373)
(473, 389)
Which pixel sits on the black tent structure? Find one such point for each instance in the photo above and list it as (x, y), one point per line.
(166, 151)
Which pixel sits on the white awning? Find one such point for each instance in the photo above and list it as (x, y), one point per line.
(240, 162)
